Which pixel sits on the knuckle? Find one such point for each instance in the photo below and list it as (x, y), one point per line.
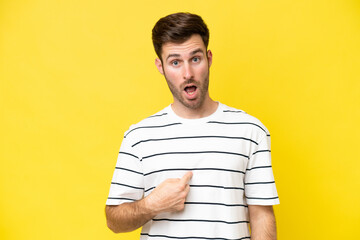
(180, 187)
(183, 195)
(169, 180)
(181, 207)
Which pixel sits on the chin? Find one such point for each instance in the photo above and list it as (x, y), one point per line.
(193, 105)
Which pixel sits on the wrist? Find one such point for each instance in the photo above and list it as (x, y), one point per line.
(148, 206)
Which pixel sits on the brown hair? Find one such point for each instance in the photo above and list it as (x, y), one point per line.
(177, 28)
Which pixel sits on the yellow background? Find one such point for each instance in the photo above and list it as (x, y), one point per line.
(75, 74)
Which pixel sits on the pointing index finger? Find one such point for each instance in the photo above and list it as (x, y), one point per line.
(186, 178)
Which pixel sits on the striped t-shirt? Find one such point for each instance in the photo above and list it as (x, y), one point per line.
(229, 155)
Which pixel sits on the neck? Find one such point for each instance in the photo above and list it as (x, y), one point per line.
(208, 107)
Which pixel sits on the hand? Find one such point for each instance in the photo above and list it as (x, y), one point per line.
(170, 195)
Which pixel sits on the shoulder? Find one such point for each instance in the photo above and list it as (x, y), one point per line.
(158, 119)
(233, 115)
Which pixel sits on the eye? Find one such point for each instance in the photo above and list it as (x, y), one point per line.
(175, 63)
(196, 59)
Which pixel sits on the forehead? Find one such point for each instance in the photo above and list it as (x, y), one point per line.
(185, 48)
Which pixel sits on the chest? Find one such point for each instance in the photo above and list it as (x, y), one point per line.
(214, 155)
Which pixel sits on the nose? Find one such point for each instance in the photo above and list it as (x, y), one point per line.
(188, 71)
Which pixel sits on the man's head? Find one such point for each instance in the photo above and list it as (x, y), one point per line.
(181, 41)
(177, 28)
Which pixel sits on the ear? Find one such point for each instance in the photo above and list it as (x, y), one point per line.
(159, 66)
(209, 57)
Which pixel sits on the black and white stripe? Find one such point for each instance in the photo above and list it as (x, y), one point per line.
(162, 236)
(158, 115)
(156, 126)
(193, 137)
(238, 123)
(192, 153)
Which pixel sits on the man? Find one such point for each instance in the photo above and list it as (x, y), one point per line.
(198, 169)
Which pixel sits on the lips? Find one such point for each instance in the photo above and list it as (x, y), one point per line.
(190, 91)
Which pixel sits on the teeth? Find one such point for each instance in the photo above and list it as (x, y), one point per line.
(190, 90)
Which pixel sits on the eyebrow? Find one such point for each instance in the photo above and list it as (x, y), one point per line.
(172, 55)
(197, 51)
(192, 53)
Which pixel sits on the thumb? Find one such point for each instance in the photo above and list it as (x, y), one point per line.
(186, 178)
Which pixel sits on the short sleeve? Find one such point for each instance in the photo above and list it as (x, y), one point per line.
(127, 183)
(259, 183)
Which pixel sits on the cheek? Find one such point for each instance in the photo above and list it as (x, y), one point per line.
(204, 71)
(173, 75)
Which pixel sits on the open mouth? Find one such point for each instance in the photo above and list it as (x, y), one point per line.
(190, 90)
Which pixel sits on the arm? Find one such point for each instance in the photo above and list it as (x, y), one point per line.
(169, 196)
(127, 217)
(262, 222)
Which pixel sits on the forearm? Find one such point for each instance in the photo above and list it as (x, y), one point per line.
(169, 196)
(127, 217)
(262, 223)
